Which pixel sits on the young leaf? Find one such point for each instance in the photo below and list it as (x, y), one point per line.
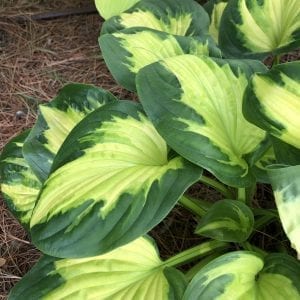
(171, 16)
(110, 8)
(196, 105)
(228, 221)
(111, 182)
(286, 186)
(256, 28)
(245, 275)
(272, 102)
(260, 167)
(215, 9)
(129, 50)
(133, 271)
(19, 185)
(56, 120)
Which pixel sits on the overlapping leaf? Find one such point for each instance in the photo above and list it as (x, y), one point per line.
(272, 102)
(129, 50)
(171, 16)
(286, 186)
(19, 185)
(110, 8)
(261, 166)
(245, 275)
(228, 221)
(215, 9)
(111, 182)
(256, 28)
(133, 271)
(196, 105)
(56, 120)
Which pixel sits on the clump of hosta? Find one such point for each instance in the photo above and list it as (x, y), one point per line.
(96, 174)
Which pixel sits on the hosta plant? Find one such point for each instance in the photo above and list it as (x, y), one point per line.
(96, 174)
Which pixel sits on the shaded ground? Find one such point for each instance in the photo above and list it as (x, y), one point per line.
(37, 58)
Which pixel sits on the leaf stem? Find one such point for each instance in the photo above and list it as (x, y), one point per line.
(276, 60)
(247, 246)
(195, 252)
(218, 186)
(194, 205)
(242, 195)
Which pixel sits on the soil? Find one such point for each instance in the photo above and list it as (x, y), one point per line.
(37, 58)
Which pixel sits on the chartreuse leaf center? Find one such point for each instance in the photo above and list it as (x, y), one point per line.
(272, 102)
(110, 8)
(121, 165)
(20, 187)
(245, 275)
(56, 120)
(204, 105)
(256, 28)
(133, 271)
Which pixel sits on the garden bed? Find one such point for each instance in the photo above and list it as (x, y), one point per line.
(37, 58)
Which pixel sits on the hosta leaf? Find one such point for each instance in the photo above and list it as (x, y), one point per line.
(19, 185)
(111, 182)
(56, 120)
(172, 16)
(133, 271)
(215, 9)
(261, 166)
(228, 221)
(285, 154)
(286, 186)
(246, 276)
(110, 8)
(256, 28)
(196, 105)
(272, 102)
(129, 50)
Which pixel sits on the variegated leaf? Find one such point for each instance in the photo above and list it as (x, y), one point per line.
(196, 105)
(110, 8)
(246, 276)
(215, 9)
(177, 17)
(129, 50)
(19, 185)
(272, 102)
(261, 166)
(56, 120)
(286, 186)
(228, 221)
(111, 182)
(256, 28)
(133, 271)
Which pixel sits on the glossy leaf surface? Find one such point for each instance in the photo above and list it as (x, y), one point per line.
(176, 17)
(19, 186)
(124, 185)
(286, 186)
(215, 9)
(110, 8)
(246, 276)
(256, 28)
(228, 221)
(55, 122)
(272, 102)
(133, 271)
(129, 50)
(196, 105)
